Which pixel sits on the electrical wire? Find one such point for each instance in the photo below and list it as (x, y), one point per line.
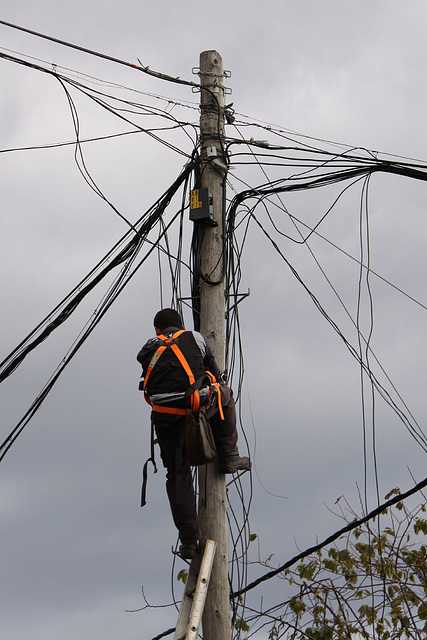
(107, 83)
(101, 99)
(334, 536)
(120, 252)
(144, 69)
(324, 169)
(115, 289)
(55, 145)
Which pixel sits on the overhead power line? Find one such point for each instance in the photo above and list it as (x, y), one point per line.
(349, 527)
(329, 540)
(109, 262)
(126, 256)
(98, 54)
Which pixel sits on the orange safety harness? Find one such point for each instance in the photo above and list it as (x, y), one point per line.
(194, 397)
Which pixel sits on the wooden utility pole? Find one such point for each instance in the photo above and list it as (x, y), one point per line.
(212, 498)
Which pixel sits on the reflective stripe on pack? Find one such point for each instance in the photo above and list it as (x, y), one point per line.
(153, 361)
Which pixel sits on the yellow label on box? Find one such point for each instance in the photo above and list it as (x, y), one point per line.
(195, 203)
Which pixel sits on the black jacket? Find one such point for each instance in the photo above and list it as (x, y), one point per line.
(168, 375)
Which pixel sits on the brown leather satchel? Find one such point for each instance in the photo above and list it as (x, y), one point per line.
(199, 441)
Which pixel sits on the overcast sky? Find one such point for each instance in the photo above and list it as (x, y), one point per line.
(76, 545)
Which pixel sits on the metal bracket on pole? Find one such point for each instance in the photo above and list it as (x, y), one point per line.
(215, 88)
(193, 601)
(234, 295)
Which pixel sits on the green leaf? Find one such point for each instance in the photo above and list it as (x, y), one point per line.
(363, 548)
(252, 537)
(319, 633)
(422, 611)
(318, 611)
(183, 575)
(420, 525)
(297, 606)
(393, 492)
(368, 612)
(307, 570)
(241, 625)
(331, 566)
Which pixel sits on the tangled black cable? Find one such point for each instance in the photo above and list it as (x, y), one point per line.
(62, 312)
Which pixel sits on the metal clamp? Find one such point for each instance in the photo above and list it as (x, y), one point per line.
(196, 71)
(214, 88)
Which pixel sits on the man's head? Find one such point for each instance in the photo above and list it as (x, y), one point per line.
(167, 318)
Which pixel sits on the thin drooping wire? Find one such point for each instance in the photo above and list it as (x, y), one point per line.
(115, 289)
(319, 235)
(318, 163)
(119, 284)
(237, 331)
(401, 497)
(140, 67)
(356, 523)
(414, 429)
(55, 145)
(102, 99)
(105, 83)
(365, 243)
(299, 138)
(278, 186)
(365, 240)
(235, 278)
(333, 159)
(240, 529)
(120, 252)
(146, 70)
(80, 160)
(354, 323)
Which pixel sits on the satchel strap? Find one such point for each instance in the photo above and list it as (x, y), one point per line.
(145, 467)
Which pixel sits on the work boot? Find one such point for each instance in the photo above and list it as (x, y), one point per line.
(188, 551)
(231, 464)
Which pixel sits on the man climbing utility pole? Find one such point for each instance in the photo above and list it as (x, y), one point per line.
(212, 500)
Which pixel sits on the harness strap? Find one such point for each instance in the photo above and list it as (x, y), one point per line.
(218, 390)
(159, 352)
(177, 351)
(195, 396)
(163, 409)
(175, 335)
(195, 400)
(221, 413)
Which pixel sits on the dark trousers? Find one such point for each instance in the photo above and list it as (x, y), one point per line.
(170, 431)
